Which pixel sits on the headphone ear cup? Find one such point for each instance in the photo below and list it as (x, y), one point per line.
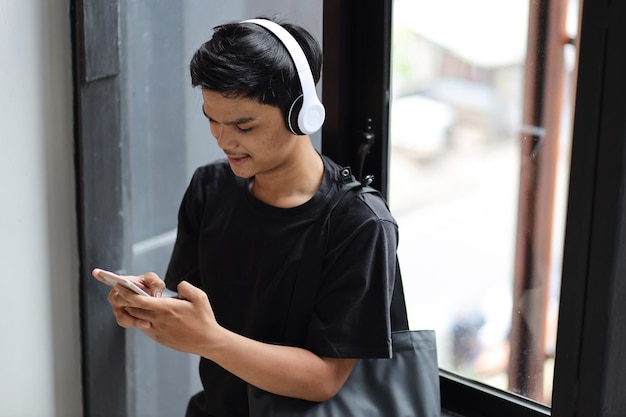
(306, 114)
(292, 116)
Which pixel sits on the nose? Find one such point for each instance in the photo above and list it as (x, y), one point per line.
(224, 139)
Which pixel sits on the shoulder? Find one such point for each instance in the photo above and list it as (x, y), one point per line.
(372, 205)
(362, 216)
(367, 204)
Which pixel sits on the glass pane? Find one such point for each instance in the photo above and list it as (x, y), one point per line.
(168, 138)
(467, 172)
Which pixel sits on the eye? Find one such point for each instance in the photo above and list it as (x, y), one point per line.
(244, 129)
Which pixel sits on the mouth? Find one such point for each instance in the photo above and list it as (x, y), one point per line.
(237, 159)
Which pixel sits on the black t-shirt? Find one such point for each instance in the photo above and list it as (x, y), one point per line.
(245, 255)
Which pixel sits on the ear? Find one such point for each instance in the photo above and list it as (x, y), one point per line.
(291, 117)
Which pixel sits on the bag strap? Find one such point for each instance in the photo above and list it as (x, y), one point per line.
(310, 271)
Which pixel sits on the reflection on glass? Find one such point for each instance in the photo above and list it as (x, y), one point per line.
(457, 174)
(167, 139)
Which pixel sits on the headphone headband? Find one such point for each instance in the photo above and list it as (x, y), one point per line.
(312, 113)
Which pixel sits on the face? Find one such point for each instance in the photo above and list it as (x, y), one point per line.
(252, 135)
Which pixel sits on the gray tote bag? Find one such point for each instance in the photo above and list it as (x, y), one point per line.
(407, 385)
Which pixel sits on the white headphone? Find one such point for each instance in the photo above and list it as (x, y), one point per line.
(312, 113)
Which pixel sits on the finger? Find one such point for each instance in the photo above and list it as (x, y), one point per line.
(137, 317)
(153, 283)
(125, 297)
(125, 319)
(120, 307)
(189, 292)
(117, 300)
(96, 274)
(131, 310)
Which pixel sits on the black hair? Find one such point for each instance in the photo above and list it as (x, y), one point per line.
(246, 60)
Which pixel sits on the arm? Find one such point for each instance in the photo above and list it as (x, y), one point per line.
(190, 326)
(284, 370)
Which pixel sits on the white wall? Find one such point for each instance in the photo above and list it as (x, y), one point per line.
(39, 324)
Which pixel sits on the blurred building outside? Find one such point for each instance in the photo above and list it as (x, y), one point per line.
(455, 123)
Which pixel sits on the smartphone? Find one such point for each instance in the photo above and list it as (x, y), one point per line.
(114, 279)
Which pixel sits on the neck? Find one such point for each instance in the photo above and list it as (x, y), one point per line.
(292, 184)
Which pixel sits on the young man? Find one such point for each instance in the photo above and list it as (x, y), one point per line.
(243, 224)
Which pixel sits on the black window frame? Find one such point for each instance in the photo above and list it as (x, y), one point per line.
(589, 370)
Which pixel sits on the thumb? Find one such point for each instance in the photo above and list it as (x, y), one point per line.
(153, 283)
(189, 292)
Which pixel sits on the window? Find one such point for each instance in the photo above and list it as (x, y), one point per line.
(590, 341)
(480, 130)
(588, 375)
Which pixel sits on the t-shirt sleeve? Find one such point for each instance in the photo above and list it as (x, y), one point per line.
(352, 313)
